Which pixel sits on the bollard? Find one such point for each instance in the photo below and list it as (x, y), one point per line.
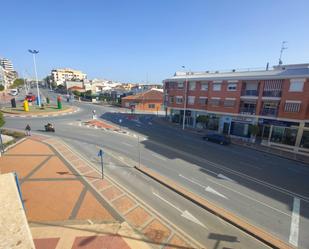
(26, 106)
(59, 102)
(47, 100)
(13, 103)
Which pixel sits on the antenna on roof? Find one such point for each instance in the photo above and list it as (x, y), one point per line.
(281, 51)
(267, 66)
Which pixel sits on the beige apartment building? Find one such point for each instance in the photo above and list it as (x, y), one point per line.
(60, 76)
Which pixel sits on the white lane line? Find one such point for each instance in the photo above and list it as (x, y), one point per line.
(130, 145)
(295, 222)
(193, 181)
(166, 201)
(185, 214)
(250, 198)
(158, 156)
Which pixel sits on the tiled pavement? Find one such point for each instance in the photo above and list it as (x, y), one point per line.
(68, 205)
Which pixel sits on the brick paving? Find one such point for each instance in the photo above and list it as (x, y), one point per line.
(59, 186)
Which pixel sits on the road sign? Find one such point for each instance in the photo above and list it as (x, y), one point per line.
(101, 152)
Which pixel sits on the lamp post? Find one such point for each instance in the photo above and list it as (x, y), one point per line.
(185, 102)
(34, 52)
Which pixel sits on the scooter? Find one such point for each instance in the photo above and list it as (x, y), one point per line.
(49, 127)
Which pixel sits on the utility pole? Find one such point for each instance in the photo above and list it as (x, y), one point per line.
(281, 51)
(185, 101)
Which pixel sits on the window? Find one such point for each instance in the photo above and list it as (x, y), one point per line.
(203, 100)
(180, 85)
(192, 86)
(292, 106)
(229, 102)
(214, 102)
(191, 100)
(296, 85)
(232, 86)
(151, 106)
(179, 100)
(172, 99)
(284, 135)
(216, 87)
(304, 143)
(204, 86)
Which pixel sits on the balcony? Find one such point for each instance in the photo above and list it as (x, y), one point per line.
(269, 112)
(247, 110)
(276, 94)
(249, 93)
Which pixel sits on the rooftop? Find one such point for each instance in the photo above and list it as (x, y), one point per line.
(278, 72)
(153, 94)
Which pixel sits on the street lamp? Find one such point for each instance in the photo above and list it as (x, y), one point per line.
(185, 102)
(34, 52)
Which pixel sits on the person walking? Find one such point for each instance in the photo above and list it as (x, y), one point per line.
(28, 130)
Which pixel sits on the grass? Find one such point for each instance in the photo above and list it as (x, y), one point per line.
(35, 109)
(15, 134)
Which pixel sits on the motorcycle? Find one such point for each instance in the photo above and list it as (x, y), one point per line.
(49, 127)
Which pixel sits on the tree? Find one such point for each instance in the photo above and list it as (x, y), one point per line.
(2, 121)
(17, 83)
(1, 88)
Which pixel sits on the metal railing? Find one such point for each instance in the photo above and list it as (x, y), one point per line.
(269, 112)
(246, 110)
(250, 93)
(272, 93)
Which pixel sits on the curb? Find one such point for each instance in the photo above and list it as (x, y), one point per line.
(228, 216)
(74, 110)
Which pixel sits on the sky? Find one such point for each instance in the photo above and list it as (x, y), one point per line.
(148, 40)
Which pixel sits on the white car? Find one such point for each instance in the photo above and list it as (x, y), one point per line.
(14, 92)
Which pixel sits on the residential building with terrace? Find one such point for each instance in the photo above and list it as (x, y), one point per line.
(274, 103)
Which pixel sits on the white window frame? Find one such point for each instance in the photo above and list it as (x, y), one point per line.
(178, 98)
(297, 82)
(234, 84)
(206, 85)
(205, 101)
(216, 84)
(192, 85)
(191, 100)
(180, 83)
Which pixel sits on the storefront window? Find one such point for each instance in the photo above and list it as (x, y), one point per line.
(240, 129)
(213, 124)
(284, 135)
(304, 143)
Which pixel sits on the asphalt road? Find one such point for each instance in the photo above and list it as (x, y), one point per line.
(264, 189)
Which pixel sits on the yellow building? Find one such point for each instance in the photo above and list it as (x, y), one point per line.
(59, 76)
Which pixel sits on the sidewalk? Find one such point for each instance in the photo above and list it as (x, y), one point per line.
(68, 205)
(266, 149)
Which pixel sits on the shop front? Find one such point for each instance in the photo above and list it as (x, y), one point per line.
(240, 126)
(279, 133)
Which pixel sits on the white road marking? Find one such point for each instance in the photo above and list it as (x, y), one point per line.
(186, 214)
(208, 188)
(138, 125)
(213, 191)
(130, 145)
(193, 181)
(295, 222)
(158, 156)
(225, 177)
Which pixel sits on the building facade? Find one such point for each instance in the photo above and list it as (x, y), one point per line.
(60, 76)
(269, 105)
(7, 73)
(150, 100)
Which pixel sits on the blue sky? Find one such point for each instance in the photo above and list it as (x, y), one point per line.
(134, 40)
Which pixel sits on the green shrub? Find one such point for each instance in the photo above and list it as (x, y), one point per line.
(2, 121)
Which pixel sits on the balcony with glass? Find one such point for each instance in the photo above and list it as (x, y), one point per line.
(247, 108)
(250, 88)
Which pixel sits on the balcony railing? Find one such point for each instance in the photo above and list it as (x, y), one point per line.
(250, 93)
(272, 93)
(248, 111)
(269, 112)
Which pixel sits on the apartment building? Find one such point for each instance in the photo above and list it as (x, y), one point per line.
(7, 72)
(273, 102)
(60, 76)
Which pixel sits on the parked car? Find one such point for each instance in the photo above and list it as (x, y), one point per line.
(217, 138)
(13, 92)
(30, 98)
